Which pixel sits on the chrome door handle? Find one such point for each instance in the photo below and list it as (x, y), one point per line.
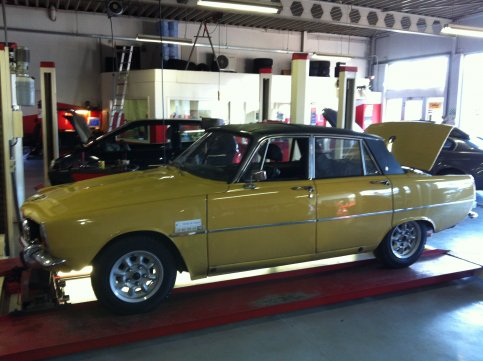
(309, 189)
(385, 182)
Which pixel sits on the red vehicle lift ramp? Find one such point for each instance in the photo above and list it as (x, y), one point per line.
(81, 327)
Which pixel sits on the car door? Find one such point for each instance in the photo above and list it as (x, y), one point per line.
(261, 222)
(354, 198)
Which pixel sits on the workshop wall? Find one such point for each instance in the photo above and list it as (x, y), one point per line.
(78, 43)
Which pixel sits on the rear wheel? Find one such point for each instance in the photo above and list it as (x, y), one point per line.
(403, 245)
(133, 275)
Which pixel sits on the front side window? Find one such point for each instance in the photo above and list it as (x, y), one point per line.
(282, 158)
(216, 156)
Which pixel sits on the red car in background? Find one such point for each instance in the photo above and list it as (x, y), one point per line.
(139, 144)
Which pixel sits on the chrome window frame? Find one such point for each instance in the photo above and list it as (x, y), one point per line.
(254, 151)
(363, 149)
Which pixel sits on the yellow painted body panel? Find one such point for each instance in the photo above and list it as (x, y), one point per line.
(413, 144)
(275, 223)
(81, 218)
(270, 222)
(441, 200)
(352, 212)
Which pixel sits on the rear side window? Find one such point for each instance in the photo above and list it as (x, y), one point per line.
(337, 157)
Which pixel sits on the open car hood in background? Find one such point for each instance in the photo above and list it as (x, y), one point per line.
(413, 144)
(80, 125)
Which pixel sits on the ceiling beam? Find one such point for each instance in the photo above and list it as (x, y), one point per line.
(332, 13)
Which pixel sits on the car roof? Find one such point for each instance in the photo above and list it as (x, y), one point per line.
(164, 121)
(262, 129)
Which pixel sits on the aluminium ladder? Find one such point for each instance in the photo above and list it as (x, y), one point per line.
(120, 87)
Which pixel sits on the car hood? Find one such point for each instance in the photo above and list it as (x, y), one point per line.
(80, 126)
(413, 144)
(119, 190)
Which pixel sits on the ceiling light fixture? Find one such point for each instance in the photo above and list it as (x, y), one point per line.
(321, 56)
(462, 30)
(163, 39)
(260, 6)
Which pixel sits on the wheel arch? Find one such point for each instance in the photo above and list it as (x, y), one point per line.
(165, 240)
(424, 220)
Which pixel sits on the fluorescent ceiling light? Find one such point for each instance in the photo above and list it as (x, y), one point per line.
(462, 30)
(320, 56)
(266, 7)
(163, 39)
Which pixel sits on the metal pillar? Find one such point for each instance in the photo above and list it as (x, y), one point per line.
(6, 164)
(299, 110)
(50, 136)
(265, 94)
(346, 114)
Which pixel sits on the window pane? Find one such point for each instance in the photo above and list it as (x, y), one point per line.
(413, 109)
(190, 133)
(337, 158)
(369, 165)
(425, 73)
(282, 158)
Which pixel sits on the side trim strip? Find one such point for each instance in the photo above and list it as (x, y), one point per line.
(319, 220)
(184, 234)
(354, 216)
(430, 206)
(262, 226)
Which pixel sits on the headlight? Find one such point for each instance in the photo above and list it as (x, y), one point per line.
(32, 232)
(43, 234)
(27, 235)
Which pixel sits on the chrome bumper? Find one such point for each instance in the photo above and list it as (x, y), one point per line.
(37, 254)
(472, 214)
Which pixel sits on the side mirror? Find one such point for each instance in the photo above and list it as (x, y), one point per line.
(257, 176)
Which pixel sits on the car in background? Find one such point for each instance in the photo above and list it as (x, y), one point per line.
(244, 197)
(136, 145)
(461, 154)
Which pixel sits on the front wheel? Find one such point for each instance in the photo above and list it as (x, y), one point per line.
(403, 245)
(133, 275)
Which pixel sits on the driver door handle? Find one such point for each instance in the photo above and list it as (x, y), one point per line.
(384, 181)
(309, 189)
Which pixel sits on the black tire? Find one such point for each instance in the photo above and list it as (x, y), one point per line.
(202, 67)
(403, 245)
(260, 63)
(148, 279)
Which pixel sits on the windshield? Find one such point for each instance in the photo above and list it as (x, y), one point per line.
(216, 156)
(475, 143)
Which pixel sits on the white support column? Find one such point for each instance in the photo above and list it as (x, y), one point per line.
(346, 114)
(265, 93)
(7, 136)
(50, 136)
(299, 110)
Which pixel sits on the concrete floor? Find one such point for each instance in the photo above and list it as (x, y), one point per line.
(435, 323)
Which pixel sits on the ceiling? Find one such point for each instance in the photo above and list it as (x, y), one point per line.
(292, 20)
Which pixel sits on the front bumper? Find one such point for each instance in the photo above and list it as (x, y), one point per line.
(37, 254)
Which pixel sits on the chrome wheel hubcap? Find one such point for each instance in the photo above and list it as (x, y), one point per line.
(136, 276)
(405, 239)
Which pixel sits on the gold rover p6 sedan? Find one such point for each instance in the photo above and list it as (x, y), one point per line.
(244, 197)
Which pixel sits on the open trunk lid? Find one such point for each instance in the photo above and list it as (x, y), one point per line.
(413, 144)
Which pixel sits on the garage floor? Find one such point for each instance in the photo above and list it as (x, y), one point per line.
(437, 323)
